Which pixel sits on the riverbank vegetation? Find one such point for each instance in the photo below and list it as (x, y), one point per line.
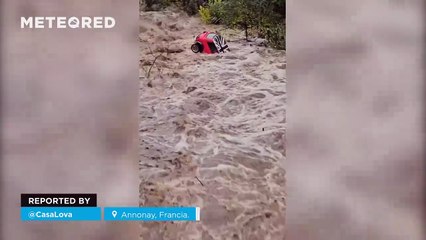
(258, 18)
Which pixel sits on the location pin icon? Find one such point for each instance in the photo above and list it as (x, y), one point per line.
(114, 213)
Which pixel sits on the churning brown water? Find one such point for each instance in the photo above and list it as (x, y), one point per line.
(212, 132)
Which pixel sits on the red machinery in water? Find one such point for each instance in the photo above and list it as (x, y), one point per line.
(209, 42)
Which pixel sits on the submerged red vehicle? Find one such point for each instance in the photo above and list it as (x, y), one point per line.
(209, 42)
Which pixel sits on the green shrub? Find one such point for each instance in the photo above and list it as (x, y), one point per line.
(212, 13)
(216, 11)
(205, 14)
(243, 14)
(276, 36)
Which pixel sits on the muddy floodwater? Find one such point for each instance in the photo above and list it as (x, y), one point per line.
(212, 130)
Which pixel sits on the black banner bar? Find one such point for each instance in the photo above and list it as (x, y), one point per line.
(58, 200)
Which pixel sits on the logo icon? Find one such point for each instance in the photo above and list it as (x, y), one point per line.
(67, 22)
(114, 213)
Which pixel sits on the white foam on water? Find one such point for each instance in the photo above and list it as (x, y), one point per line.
(216, 132)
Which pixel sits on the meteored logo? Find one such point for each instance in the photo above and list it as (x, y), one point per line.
(67, 22)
